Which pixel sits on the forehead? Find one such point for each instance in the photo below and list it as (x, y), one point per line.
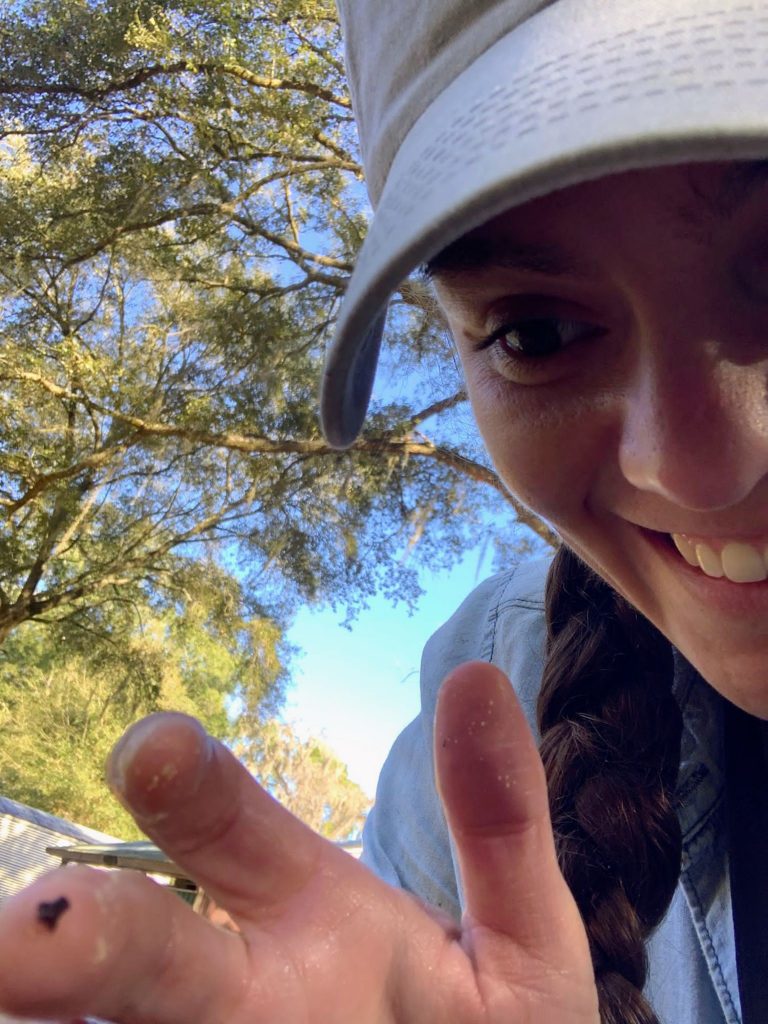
(551, 235)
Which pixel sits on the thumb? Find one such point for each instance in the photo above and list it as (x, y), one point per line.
(492, 785)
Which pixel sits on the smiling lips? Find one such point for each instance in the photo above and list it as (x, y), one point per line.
(737, 561)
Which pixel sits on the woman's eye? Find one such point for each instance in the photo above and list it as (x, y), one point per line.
(538, 337)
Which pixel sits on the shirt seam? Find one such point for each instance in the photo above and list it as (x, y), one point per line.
(711, 954)
(504, 603)
(702, 824)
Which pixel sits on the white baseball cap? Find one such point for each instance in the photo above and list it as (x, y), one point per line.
(466, 108)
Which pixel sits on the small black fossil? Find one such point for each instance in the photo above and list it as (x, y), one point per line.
(50, 912)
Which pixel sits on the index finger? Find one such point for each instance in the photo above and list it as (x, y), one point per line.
(203, 808)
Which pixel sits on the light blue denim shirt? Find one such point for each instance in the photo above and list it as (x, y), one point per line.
(692, 976)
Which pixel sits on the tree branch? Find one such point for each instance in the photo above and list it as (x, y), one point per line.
(297, 251)
(435, 409)
(95, 460)
(398, 446)
(143, 75)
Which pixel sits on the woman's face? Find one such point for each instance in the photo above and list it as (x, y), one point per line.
(614, 338)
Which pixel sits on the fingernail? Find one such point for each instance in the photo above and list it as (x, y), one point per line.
(125, 750)
(168, 756)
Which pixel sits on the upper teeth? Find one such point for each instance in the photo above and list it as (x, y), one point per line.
(736, 560)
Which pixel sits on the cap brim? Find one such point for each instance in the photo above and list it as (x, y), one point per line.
(348, 382)
(579, 91)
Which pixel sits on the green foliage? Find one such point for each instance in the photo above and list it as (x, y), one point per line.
(67, 694)
(180, 204)
(181, 201)
(307, 778)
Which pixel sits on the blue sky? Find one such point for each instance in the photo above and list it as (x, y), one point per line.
(356, 688)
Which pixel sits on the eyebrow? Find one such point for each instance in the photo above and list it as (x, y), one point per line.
(740, 183)
(474, 254)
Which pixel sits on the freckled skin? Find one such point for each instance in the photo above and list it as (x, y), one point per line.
(660, 422)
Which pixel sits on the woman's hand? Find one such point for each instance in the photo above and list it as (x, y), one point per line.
(321, 940)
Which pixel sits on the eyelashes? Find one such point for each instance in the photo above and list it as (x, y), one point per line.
(535, 338)
(539, 350)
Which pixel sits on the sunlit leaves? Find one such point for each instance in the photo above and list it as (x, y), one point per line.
(307, 778)
(68, 692)
(180, 206)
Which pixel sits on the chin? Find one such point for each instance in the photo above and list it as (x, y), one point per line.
(741, 677)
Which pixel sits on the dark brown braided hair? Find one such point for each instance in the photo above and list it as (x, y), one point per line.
(611, 731)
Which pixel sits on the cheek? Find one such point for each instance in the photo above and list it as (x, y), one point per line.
(550, 449)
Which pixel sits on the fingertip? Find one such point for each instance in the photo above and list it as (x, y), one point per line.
(488, 771)
(53, 941)
(470, 689)
(477, 711)
(117, 947)
(158, 761)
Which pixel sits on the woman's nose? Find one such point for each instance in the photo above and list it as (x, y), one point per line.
(695, 427)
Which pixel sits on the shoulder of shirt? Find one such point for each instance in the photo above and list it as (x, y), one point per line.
(501, 621)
